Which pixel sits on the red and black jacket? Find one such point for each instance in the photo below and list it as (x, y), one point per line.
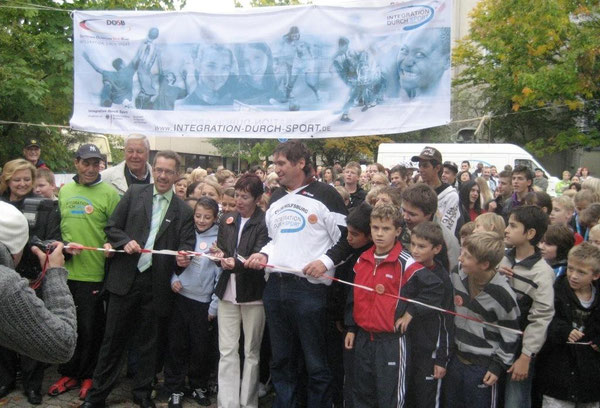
(399, 274)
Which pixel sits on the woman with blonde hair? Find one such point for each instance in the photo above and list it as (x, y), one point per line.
(198, 175)
(16, 185)
(16, 182)
(592, 184)
(485, 194)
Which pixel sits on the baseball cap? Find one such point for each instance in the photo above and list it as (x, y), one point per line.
(32, 143)
(428, 153)
(89, 151)
(451, 165)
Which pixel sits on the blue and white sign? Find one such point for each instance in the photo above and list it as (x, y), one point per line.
(285, 72)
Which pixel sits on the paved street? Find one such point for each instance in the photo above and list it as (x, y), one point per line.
(119, 398)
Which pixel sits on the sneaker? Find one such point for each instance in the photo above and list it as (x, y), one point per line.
(175, 400)
(200, 396)
(262, 390)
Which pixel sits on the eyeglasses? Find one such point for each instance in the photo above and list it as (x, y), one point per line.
(166, 172)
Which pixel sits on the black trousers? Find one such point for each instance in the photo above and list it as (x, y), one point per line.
(124, 315)
(423, 390)
(32, 371)
(189, 345)
(90, 329)
(380, 365)
(335, 358)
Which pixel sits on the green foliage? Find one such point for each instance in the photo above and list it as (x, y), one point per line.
(253, 151)
(266, 3)
(535, 65)
(36, 71)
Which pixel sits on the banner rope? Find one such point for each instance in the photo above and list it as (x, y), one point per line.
(2, 122)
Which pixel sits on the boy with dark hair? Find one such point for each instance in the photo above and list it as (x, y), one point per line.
(567, 373)
(502, 193)
(399, 176)
(522, 182)
(358, 224)
(430, 169)
(555, 245)
(419, 204)
(482, 352)
(531, 278)
(431, 336)
(376, 323)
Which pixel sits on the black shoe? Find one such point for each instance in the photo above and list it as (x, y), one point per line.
(145, 402)
(175, 400)
(88, 404)
(6, 389)
(200, 395)
(34, 397)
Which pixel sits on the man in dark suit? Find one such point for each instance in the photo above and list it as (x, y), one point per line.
(149, 217)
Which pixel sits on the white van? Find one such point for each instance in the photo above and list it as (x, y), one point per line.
(496, 154)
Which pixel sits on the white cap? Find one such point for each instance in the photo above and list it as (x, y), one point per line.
(14, 229)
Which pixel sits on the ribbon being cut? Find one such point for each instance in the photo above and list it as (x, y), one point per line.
(377, 289)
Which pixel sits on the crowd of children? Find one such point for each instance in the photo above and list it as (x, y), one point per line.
(503, 312)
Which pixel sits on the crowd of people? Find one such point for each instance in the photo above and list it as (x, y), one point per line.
(472, 287)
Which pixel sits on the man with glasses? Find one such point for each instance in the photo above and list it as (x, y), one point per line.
(134, 169)
(138, 284)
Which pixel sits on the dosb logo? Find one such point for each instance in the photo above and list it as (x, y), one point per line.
(106, 25)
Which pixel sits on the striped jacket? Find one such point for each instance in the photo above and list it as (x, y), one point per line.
(480, 344)
(533, 283)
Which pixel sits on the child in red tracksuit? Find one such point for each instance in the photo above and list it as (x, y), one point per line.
(376, 323)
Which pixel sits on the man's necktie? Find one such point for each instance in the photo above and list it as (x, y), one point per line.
(157, 208)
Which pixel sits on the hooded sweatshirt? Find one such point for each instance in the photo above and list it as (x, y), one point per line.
(201, 276)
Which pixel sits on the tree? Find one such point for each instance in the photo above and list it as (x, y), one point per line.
(352, 149)
(533, 65)
(36, 71)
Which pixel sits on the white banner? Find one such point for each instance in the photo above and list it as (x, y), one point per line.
(292, 72)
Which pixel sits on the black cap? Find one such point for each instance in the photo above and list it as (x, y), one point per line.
(32, 143)
(89, 151)
(451, 165)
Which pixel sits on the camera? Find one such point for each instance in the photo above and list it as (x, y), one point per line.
(45, 246)
(31, 207)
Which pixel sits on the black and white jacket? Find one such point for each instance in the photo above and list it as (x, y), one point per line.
(303, 224)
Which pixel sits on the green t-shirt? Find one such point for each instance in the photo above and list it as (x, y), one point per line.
(84, 211)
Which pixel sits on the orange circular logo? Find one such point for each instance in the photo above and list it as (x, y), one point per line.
(312, 218)
(229, 220)
(380, 289)
(458, 300)
(88, 209)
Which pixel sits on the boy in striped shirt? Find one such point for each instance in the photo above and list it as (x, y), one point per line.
(482, 352)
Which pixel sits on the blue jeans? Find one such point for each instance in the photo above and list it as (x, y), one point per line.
(296, 315)
(518, 393)
(464, 388)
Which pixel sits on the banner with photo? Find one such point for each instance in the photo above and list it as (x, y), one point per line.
(285, 72)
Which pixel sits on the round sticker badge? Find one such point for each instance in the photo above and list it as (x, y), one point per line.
(312, 218)
(458, 300)
(229, 220)
(203, 245)
(88, 209)
(380, 289)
